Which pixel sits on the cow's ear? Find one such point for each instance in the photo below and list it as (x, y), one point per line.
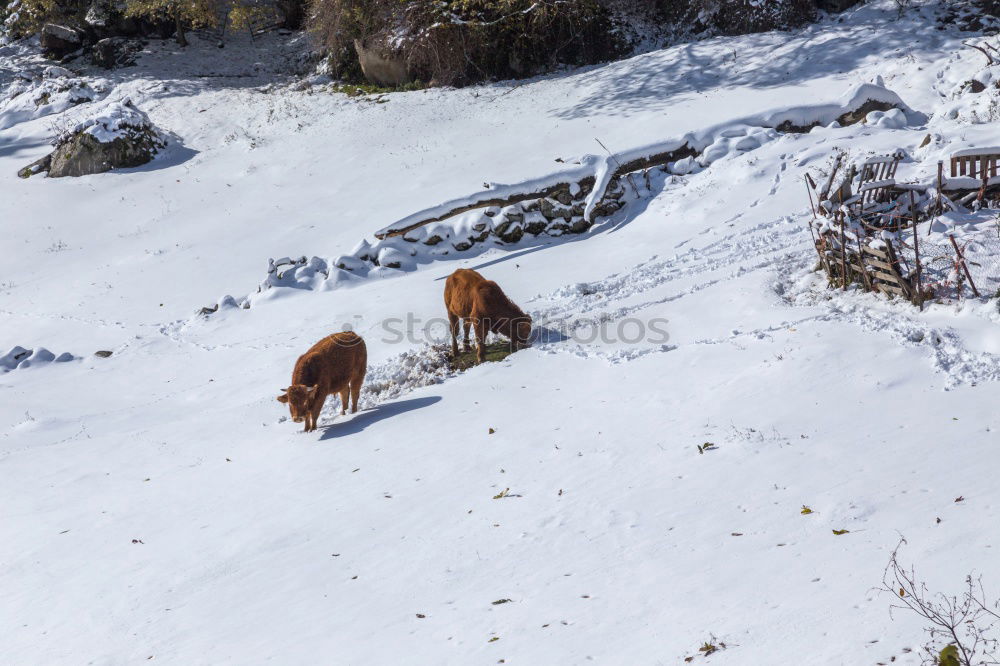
(283, 397)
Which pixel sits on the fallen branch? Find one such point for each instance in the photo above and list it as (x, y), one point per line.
(989, 58)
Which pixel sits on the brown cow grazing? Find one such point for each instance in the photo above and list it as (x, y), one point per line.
(480, 302)
(335, 364)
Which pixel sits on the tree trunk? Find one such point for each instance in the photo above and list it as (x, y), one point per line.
(179, 27)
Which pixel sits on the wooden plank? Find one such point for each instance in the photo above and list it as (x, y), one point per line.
(890, 279)
(878, 254)
(882, 274)
(879, 267)
(881, 279)
(885, 266)
(890, 289)
(880, 159)
(877, 251)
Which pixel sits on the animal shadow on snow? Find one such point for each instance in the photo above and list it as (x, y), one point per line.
(368, 417)
(543, 334)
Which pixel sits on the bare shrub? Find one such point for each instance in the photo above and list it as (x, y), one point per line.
(959, 626)
(738, 17)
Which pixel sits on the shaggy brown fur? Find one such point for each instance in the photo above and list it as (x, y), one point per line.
(335, 364)
(481, 303)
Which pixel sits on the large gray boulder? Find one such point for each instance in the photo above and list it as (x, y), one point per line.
(83, 154)
(58, 41)
(112, 52)
(116, 136)
(381, 70)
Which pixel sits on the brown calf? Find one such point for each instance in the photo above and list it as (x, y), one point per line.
(335, 364)
(481, 303)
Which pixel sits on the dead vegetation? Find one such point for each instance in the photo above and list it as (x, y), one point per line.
(960, 627)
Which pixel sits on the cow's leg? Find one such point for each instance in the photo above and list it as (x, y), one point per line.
(344, 393)
(480, 326)
(453, 325)
(356, 381)
(355, 393)
(466, 324)
(317, 408)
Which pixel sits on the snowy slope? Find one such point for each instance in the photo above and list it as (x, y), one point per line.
(158, 503)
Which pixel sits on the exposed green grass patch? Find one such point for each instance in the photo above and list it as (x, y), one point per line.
(359, 89)
(496, 351)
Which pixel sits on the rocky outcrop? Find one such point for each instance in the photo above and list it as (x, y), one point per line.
(58, 41)
(117, 136)
(114, 52)
(38, 166)
(84, 154)
(381, 70)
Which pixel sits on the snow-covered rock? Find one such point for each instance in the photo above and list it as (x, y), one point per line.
(20, 358)
(42, 93)
(113, 136)
(59, 40)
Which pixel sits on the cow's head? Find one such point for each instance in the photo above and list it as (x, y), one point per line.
(299, 398)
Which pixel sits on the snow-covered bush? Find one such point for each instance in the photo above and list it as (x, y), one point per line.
(52, 90)
(118, 119)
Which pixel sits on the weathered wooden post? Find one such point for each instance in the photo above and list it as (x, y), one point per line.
(940, 184)
(964, 266)
(843, 251)
(916, 251)
(809, 192)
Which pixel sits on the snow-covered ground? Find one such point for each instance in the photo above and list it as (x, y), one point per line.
(158, 503)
